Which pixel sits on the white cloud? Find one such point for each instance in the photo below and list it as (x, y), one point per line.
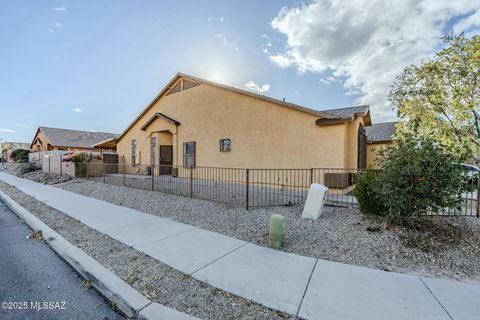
(368, 43)
(255, 87)
(225, 41)
(62, 8)
(57, 25)
(20, 125)
(221, 19)
(330, 79)
(210, 19)
(5, 130)
(51, 30)
(78, 110)
(267, 45)
(281, 60)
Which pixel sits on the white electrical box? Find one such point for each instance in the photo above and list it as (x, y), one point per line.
(315, 200)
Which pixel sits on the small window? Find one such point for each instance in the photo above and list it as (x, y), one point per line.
(134, 152)
(225, 145)
(189, 150)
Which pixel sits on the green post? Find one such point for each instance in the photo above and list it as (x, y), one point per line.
(276, 230)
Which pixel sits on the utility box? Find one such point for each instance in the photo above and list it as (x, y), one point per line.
(315, 200)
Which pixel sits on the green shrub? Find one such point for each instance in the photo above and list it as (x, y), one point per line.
(28, 167)
(20, 155)
(418, 177)
(368, 195)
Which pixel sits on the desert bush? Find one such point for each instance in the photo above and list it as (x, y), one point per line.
(28, 167)
(20, 155)
(418, 177)
(368, 195)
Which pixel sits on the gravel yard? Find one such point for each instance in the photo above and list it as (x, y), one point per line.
(152, 278)
(37, 175)
(451, 250)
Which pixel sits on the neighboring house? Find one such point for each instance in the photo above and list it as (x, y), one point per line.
(49, 139)
(8, 147)
(379, 136)
(195, 122)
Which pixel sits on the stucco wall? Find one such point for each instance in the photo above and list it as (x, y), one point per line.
(372, 153)
(263, 134)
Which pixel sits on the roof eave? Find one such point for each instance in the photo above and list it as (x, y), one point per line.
(327, 122)
(179, 75)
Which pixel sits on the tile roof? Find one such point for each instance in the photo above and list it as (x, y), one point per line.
(348, 112)
(74, 138)
(379, 132)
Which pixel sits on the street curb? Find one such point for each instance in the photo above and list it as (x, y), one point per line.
(132, 303)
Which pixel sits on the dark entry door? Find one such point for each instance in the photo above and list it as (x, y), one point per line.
(166, 159)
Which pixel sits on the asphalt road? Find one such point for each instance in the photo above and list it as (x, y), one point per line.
(37, 284)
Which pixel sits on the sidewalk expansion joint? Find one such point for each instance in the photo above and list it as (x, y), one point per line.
(148, 304)
(438, 301)
(127, 225)
(160, 240)
(226, 254)
(306, 288)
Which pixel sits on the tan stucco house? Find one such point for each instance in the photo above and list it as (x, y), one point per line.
(195, 122)
(49, 139)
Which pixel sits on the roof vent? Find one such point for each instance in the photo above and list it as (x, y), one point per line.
(182, 84)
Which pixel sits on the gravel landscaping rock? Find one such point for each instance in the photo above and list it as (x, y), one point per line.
(37, 175)
(150, 277)
(341, 234)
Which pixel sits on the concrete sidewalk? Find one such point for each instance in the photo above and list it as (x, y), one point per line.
(311, 288)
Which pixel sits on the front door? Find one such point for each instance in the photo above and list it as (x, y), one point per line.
(166, 159)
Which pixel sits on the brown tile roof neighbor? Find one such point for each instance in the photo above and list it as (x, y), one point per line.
(380, 132)
(74, 138)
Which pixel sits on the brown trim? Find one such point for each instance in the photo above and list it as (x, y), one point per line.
(159, 115)
(326, 122)
(379, 141)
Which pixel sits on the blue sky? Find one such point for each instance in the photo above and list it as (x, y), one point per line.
(94, 65)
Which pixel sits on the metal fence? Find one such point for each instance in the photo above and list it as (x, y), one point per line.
(245, 187)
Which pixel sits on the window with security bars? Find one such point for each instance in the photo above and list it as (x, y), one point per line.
(153, 150)
(225, 145)
(189, 151)
(134, 152)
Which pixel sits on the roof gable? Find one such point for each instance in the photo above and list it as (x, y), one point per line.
(161, 116)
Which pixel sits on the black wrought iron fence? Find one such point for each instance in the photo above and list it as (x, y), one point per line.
(248, 187)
